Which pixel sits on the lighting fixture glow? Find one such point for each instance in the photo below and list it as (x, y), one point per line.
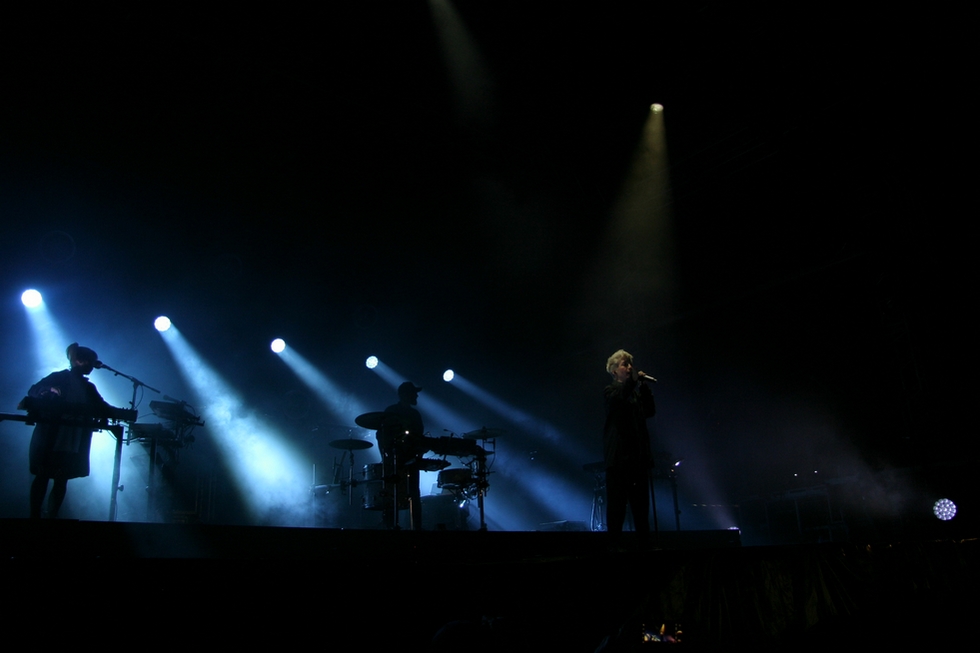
(371, 362)
(278, 345)
(31, 298)
(162, 323)
(944, 509)
(448, 375)
(268, 472)
(656, 107)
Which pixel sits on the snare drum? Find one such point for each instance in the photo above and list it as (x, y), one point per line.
(457, 478)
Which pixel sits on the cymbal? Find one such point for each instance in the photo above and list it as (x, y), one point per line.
(484, 434)
(351, 444)
(370, 421)
(431, 464)
(376, 421)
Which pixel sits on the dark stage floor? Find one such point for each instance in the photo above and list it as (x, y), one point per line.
(374, 590)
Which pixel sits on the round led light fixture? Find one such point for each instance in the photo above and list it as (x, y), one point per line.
(944, 509)
(31, 298)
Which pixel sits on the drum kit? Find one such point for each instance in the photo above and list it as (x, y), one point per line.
(475, 451)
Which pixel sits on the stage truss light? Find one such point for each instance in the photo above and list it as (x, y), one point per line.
(162, 323)
(31, 298)
(944, 509)
(448, 375)
(278, 345)
(371, 362)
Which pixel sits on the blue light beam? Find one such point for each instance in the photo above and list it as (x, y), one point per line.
(50, 340)
(271, 477)
(532, 425)
(343, 405)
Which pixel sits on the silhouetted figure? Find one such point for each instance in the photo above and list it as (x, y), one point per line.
(65, 403)
(626, 446)
(401, 443)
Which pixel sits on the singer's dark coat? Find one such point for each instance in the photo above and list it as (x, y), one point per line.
(62, 450)
(626, 441)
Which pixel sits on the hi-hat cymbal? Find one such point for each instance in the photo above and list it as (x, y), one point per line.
(484, 434)
(430, 464)
(351, 444)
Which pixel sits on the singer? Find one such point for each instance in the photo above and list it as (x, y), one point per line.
(626, 446)
(60, 451)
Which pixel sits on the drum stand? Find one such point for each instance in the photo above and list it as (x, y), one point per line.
(598, 520)
(482, 475)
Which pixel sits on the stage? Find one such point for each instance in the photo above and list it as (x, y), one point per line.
(511, 590)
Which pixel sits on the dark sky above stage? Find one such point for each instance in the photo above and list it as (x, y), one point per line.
(310, 174)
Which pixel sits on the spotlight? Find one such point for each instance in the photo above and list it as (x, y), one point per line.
(448, 375)
(371, 362)
(944, 509)
(278, 345)
(162, 323)
(656, 107)
(31, 298)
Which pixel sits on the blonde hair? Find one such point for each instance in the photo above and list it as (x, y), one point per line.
(616, 359)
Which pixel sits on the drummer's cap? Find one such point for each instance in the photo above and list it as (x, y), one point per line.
(74, 352)
(407, 389)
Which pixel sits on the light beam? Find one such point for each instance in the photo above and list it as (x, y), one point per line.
(271, 477)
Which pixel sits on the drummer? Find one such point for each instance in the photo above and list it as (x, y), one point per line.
(399, 440)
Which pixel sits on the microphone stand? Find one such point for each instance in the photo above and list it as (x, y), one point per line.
(117, 458)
